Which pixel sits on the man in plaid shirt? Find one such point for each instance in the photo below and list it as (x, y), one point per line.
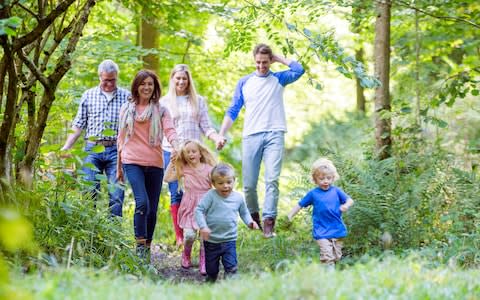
(98, 113)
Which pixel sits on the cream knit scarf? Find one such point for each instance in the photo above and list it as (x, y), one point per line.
(152, 113)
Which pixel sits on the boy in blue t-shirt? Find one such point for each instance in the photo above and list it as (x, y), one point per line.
(328, 204)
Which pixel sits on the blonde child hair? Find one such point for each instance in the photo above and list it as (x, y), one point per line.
(206, 156)
(171, 96)
(324, 166)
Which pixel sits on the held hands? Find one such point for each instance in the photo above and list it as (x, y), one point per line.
(205, 233)
(253, 225)
(219, 140)
(221, 143)
(285, 222)
(120, 177)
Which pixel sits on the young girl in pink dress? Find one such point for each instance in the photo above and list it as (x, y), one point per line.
(193, 165)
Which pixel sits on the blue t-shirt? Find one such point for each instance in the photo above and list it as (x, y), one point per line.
(326, 217)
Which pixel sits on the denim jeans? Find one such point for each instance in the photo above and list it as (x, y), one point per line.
(267, 146)
(175, 194)
(227, 251)
(105, 162)
(146, 183)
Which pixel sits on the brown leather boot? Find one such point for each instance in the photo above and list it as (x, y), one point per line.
(269, 228)
(256, 218)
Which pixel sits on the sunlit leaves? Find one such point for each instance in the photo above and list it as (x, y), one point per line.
(9, 26)
(109, 132)
(16, 233)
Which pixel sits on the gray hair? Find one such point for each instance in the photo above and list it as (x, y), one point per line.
(108, 66)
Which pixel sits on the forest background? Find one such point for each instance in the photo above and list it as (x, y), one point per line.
(390, 94)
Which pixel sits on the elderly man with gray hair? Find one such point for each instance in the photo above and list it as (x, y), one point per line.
(98, 114)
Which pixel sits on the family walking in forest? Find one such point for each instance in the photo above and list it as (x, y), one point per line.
(160, 139)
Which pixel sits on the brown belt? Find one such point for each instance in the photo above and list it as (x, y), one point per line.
(104, 142)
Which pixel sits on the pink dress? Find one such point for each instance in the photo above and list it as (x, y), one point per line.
(197, 183)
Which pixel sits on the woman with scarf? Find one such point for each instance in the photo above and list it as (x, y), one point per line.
(143, 123)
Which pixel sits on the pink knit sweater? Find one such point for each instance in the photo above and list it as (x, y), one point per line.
(138, 150)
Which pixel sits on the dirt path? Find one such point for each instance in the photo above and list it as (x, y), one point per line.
(166, 260)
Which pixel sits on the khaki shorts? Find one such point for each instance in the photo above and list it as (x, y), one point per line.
(330, 250)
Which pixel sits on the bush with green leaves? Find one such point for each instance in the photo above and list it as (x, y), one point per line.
(69, 228)
(417, 198)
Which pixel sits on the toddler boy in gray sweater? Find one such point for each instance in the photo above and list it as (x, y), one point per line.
(216, 216)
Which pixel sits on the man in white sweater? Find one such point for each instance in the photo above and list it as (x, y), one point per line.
(261, 92)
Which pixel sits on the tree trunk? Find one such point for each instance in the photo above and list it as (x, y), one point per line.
(9, 111)
(36, 130)
(148, 40)
(382, 72)
(359, 88)
(24, 68)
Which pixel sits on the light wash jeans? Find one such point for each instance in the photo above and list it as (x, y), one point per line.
(267, 146)
(104, 162)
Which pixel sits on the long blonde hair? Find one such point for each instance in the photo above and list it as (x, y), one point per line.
(206, 156)
(171, 97)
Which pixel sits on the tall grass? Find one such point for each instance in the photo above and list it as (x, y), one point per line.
(391, 278)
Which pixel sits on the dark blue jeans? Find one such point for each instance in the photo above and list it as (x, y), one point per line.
(105, 162)
(226, 251)
(146, 183)
(175, 194)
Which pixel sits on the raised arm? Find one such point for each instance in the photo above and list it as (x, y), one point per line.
(281, 59)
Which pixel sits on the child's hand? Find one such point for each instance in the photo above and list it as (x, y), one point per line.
(344, 207)
(205, 233)
(284, 222)
(253, 225)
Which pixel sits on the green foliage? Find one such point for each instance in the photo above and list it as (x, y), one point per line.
(417, 197)
(8, 26)
(64, 229)
(293, 27)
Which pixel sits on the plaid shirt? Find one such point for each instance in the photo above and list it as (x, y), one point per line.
(96, 113)
(186, 125)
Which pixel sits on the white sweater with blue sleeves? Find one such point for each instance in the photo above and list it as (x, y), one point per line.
(263, 100)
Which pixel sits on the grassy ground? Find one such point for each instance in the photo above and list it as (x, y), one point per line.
(391, 278)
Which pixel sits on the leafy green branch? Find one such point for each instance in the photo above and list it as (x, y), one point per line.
(324, 46)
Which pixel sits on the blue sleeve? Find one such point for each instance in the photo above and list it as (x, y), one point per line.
(288, 76)
(342, 195)
(307, 200)
(237, 100)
